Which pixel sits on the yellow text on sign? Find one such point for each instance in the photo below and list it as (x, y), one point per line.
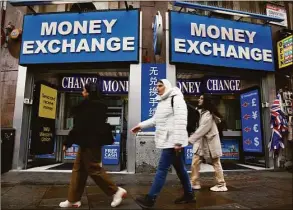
(48, 102)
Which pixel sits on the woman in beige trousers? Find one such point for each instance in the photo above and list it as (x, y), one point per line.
(206, 143)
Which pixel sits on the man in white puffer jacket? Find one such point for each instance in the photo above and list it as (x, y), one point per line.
(170, 136)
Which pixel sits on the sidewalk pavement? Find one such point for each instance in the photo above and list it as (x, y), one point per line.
(247, 190)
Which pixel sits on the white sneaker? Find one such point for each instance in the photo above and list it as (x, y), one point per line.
(219, 188)
(196, 187)
(67, 204)
(118, 197)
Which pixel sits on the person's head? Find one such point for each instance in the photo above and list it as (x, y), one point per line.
(205, 103)
(163, 86)
(91, 91)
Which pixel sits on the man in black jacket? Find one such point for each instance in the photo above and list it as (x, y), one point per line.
(89, 133)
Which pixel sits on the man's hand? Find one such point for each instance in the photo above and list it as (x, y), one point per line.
(136, 129)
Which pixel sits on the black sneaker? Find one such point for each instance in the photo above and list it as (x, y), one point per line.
(145, 201)
(189, 198)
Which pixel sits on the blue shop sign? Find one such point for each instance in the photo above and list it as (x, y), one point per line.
(108, 85)
(217, 42)
(150, 75)
(101, 36)
(209, 85)
(111, 154)
(251, 122)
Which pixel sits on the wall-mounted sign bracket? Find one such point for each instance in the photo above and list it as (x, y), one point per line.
(32, 9)
(225, 11)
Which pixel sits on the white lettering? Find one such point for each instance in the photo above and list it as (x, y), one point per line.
(193, 47)
(110, 25)
(49, 30)
(41, 46)
(227, 33)
(217, 49)
(267, 55)
(95, 27)
(198, 31)
(231, 52)
(197, 85)
(78, 28)
(68, 28)
(113, 44)
(237, 84)
(63, 82)
(128, 43)
(70, 82)
(243, 52)
(115, 86)
(106, 85)
(179, 44)
(70, 45)
(83, 45)
(28, 47)
(250, 36)
(98, 44)
(209, 82)
(202, 48)
(215, 34)
(256, 54)
(50, 46)
(239, 35)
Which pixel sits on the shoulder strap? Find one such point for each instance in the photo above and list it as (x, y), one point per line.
(172, 101)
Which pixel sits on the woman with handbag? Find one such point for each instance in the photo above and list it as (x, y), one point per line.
(90, 132)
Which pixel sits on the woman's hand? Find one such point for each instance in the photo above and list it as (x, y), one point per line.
(136, 129)
(178, 147)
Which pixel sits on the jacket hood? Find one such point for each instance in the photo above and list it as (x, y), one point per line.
(169, 91)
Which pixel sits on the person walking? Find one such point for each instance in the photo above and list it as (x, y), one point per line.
(89, 122)
(207, 144)
(170, 136)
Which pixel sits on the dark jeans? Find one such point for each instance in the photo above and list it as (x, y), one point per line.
(168, 157)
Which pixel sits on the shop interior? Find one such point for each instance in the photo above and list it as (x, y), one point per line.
(66, 100)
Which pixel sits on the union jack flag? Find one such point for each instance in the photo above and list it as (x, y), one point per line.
(279, 124)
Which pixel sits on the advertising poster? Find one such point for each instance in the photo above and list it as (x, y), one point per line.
(111, 154)
(70, 153)
(43, 120)
(230, 149)
(150, 75)
(277, 11)
(188, 154)
(285, 52)
(251, 122)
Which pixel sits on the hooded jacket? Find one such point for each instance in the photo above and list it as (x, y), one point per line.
(170, 122)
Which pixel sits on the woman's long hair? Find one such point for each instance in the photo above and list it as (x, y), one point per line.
(93, 91)
(209, 106)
